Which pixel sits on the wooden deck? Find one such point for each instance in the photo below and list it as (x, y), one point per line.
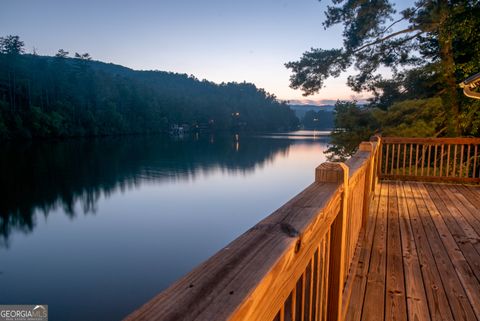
(420, 255)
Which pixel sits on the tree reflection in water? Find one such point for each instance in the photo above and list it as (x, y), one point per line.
(39, 177)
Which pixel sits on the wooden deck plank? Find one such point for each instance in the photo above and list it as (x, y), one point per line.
(470, 193)
(361, 272)
(447, 265)
(373, 307)
(417, 304)
(470, 205)
(395, 303)
(347, 290)
(419, 259)
(462, 253)
(466, 216)
(459, 228)
(438, 303)
(475, 190)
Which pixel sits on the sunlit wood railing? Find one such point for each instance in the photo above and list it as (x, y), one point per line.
(293, 265)
(430, 159)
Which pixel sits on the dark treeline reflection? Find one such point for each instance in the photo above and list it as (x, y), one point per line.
(50, 175)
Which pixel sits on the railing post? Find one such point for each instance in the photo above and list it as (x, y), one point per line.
(377, 161)
(369, 177)
(336, 173)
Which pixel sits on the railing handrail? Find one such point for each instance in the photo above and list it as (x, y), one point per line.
(431, 140)
(304, 246)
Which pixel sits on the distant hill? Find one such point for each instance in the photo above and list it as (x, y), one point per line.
(43, 96)
(300, 110)
(318, 117)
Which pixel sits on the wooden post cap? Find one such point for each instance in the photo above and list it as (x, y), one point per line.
(366, 147)
(331, 172)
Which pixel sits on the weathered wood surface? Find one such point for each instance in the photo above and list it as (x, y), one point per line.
(293, 265)
(273, 254)
(419, 259)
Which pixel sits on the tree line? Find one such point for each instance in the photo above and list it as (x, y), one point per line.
(62, 96)
(318, 120)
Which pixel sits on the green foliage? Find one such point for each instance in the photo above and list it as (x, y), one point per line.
(470, 117)
(429, 47)
(11, 45)
(61, 53)
(353, 124)
(408, 118)
(61, 97)
(376, 35)
(412, 118)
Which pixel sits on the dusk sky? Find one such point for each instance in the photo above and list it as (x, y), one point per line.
(218, 40)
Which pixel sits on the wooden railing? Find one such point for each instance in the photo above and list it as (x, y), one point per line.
(293, 265)
(430, 159)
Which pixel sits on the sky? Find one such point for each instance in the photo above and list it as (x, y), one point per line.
(217, 40)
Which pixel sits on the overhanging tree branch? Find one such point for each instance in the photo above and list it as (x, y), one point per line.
(380, 40)
(392, 24)
(406, 15)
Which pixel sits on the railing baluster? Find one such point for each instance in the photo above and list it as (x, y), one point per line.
(398, 160)
(393, 159)
(441, 161)
(316, 293)
(475, 162)
(308, 292)
(386, 159)
(416, 160)
(423, 158)
(302, 312)
(435, 160)
(288, 307)
(455, 160)
(294, 303)
(429, 159)
(461, 161)
(379, 161)
(299, 305)
(404, 158)
(321, 279)
(467, 173)
(410, 161)
(326, 280)
(448, 161)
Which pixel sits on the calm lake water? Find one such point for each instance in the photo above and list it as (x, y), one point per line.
(95, 228)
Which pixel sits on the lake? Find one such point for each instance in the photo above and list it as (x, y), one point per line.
(95, 228)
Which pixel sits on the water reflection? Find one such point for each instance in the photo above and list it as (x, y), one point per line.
(43, 177)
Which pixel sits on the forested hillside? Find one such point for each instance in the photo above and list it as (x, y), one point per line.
(42, 96)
